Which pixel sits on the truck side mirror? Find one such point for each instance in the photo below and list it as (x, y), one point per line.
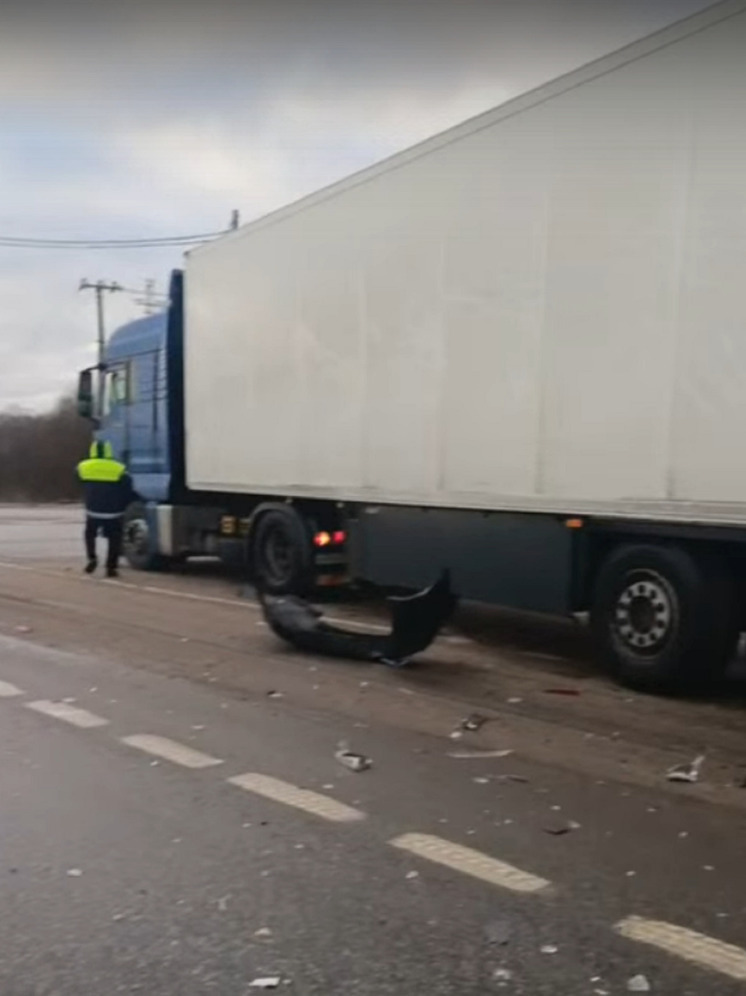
(85, 394)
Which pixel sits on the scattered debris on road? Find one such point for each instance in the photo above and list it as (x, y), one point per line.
(549, 949)
(515, 700)
(502, 975)
(74, 872)
(270, 982)
(475, 721)
(638, 984)
(686, 772)
(350, 759)
(562, 829)
(263, 932)
(274, 695)
(410, 876)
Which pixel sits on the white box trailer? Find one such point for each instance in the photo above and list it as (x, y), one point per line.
(517, 350)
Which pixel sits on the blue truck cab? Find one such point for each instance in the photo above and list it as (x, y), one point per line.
(143, 418)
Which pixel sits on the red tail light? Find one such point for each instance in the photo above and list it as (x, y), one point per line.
(339, 537)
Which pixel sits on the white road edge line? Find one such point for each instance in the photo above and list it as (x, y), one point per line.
(170, 750)
(291, 795)
(470, 862)
(697, 949)
(152, 589)
(68, 713)
(8, 691)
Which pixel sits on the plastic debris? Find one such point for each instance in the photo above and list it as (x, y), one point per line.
(74, 872)
(638, 984)
(549, 949)
(263, 932)
(686, 772)
(474, 722)
(475, 755)
(269, 982)
(561, 830)
(351, 760)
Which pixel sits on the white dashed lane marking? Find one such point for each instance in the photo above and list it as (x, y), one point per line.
(470, 862)
(8, 691)
(68, 714)
(697, 949)
(291, 795)
(170, 750)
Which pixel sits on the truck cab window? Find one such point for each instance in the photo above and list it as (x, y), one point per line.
(117, 387)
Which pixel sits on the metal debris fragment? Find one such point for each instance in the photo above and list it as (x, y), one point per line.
(686, 772)
(475, 721)
(350, 759)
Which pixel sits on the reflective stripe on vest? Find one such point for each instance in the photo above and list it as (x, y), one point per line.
(98, 471)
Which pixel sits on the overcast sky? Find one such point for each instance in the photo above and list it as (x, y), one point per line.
(156, 121)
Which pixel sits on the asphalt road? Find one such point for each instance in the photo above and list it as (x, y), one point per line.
(171, 827)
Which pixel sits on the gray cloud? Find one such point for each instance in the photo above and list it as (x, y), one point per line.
(150, 119)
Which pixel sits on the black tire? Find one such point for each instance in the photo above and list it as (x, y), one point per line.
(663, 619)
(136, 545)
(282, 554)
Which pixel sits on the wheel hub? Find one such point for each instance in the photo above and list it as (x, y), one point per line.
(644, 613)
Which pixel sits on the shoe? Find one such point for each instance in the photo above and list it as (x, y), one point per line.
(112, 572)
(91, 566)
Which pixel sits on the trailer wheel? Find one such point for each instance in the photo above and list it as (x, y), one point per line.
(662, 619)
(282, 556)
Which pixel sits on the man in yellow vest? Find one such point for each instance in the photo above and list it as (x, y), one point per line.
(108, 492)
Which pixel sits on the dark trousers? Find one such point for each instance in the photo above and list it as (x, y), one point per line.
(111, 529)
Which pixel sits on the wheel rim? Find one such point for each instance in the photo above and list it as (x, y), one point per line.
(136, 538)
(278, 556)
(645, 613)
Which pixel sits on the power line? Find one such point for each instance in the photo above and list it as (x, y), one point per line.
(11, 242)
(168, 241)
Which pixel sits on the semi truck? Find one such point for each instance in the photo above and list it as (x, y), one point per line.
(516, 350)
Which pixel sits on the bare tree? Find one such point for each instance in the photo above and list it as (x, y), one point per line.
(39, 454)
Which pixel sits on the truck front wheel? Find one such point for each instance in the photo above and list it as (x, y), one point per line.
(662, 618)
(137, 541)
